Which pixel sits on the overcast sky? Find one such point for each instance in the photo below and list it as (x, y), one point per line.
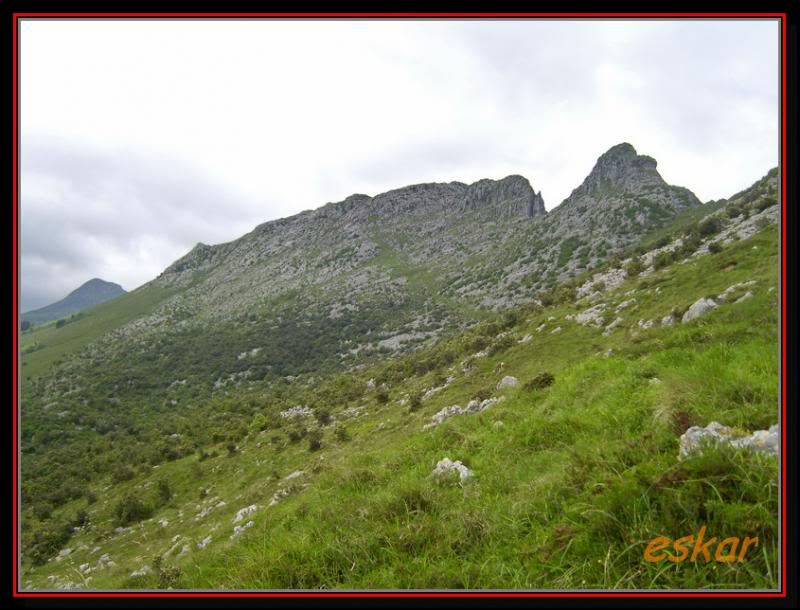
(141, 138)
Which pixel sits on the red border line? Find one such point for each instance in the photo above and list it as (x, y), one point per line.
(411, 594)
(575, 16)
(783, 303)
(15, 203)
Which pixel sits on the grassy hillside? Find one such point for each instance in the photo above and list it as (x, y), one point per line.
(571, 480)
(46, 344)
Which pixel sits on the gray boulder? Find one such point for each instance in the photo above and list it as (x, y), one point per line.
(697, 437)
(700, 307)
(507, 382)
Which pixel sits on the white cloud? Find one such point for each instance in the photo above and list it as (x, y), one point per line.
(281, 116)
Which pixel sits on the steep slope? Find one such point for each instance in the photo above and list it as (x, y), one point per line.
(262, 320)
(328, 482)
(92, 293)
(340, 285)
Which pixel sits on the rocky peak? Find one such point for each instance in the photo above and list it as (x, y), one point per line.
(620, 176)
(620, 168)
(511, 196)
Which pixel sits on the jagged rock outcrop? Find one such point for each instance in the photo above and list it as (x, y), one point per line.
(390, 271)
(512, 196)
(621, 174)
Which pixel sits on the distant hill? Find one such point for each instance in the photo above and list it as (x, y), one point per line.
(92, 293)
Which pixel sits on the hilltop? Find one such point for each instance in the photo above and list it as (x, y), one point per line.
(94, 292)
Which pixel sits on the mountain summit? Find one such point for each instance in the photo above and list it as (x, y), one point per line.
(92, 293)
(620, 173)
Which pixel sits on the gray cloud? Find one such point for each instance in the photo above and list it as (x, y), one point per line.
(113, 214)
(132, 155)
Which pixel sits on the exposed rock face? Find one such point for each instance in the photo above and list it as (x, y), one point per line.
(512, 196)
(621, 172)
(388, 272)
(699, 307)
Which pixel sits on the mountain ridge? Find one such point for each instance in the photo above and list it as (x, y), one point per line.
(90, 293)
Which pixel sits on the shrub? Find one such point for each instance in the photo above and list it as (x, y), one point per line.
(42, 510)
(48, 540)
(164, 493)
(710, 226)
(169, 576)
(715, 247)
(341, 434)
(382, 396)
(296, 434)
(541, 381)
(501, 345)
(315, 440)
(663, 259)
(634, 267)
(414, 401)
(130, 509)
(231, 447)
(733, 210)
(764, 203)
(323, 416)
(663, 241)
(121, 473)
(81, 518)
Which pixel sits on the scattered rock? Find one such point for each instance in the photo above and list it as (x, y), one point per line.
(625, 305)
(474, 406)
(430, 392)
(442, 415)
(592, 316)
(204, 542)
(447, 471)
(238, 529)
(143, 571)
(733, 288)
(608, 330)
(557, 329)
(668, 320)
(507, 382)
(698, 308)
(744, 297)
(243, 512)
(297, 413)
(645, 324)
(696, 437)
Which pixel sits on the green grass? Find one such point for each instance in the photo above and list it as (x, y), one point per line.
(56, 343)
(567, 491)
(681, 221)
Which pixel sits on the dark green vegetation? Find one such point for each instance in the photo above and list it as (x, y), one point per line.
(144, 445)
(567, 492)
